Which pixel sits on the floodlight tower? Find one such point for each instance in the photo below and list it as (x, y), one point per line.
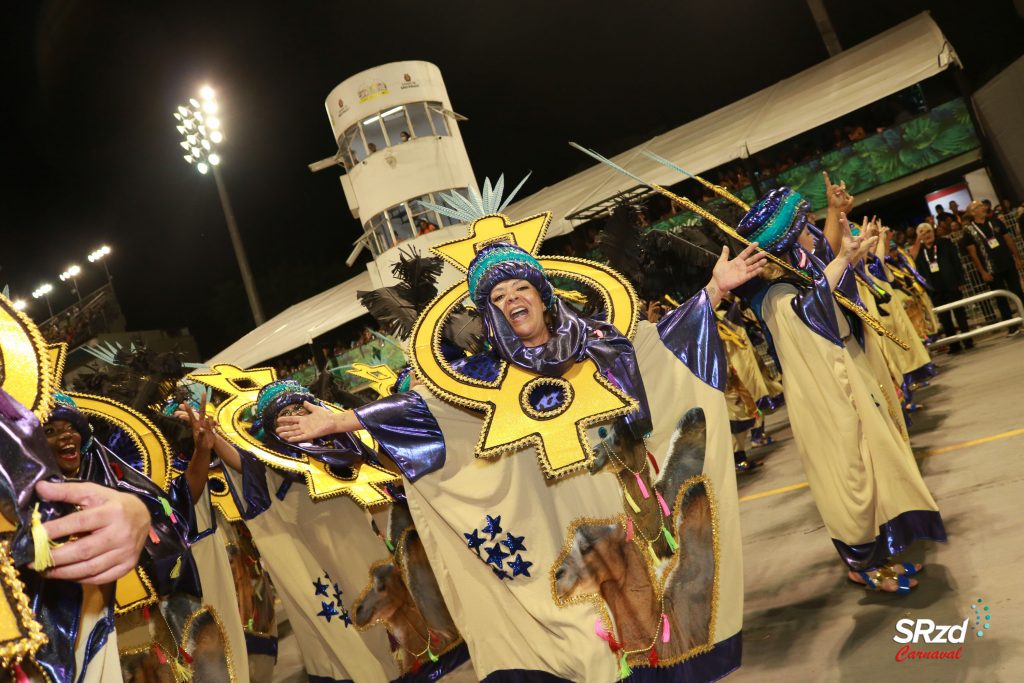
(201, 132)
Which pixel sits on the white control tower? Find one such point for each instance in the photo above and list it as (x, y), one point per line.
(398, 141)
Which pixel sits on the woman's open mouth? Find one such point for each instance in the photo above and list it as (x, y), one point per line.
(68, 452)
(517, 313)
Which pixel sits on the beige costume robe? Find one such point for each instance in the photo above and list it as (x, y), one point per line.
(545, 621)
(862, 473)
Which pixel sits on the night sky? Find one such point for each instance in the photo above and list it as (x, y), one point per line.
(92, 156)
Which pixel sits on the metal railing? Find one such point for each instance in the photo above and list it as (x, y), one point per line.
(984, 329)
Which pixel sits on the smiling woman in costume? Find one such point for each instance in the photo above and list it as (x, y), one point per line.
(522, 552)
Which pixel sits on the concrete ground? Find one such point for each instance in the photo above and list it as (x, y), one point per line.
(803, 621)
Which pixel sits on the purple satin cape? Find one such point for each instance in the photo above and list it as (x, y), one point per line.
(813, 303)
(406, 430)
(690, 331)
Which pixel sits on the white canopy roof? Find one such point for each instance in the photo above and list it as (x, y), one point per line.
(298, 324)
(891, 61)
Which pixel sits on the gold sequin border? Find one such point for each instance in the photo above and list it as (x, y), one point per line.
(26, 646)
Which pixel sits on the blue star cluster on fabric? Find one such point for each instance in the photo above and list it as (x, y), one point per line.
(474, 541)
(497, 555)
(328, 610)
(332, 608)
(493, 526)
(520, 566)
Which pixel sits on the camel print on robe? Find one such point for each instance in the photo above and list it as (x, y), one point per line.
(403, 595)
(643, 587)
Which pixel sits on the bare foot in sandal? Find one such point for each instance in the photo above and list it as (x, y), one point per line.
(883, 580)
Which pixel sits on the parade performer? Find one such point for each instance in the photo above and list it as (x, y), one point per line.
(914, 362)
(861, 470)
(744, 415)
(550, 571)
(120, 513)
(869, 491)
(321, 552)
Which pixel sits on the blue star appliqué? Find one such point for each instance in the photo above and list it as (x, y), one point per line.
(520, 566)
(495, 555)
(514, 543)
(501, 574)
(337, 593)
(474, 540)
(346, 618)
(328, 611)
(320, 587)
(493, 526)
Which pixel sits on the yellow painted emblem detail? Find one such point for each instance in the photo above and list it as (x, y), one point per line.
(511, 423)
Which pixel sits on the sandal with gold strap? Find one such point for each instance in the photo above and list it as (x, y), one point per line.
(873, 580)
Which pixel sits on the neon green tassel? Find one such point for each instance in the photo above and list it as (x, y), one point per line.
(181, 672)
(165, 505)
(249, 625)
(624, 670)
(390, 545)
(672, 545)
(176, 569)
(430, 653)
(629, 499)
(40, 542)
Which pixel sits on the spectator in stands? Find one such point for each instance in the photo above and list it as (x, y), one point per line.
(424, 226)
(1009, 215)
(991, 248)
(404, 135)
(937, 260)
(941, 213)
(954, 209)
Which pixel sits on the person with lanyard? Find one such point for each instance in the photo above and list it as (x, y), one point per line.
(994, 254)
(939, 263)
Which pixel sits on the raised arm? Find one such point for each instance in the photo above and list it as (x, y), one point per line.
(839, 202)
(852, 249)
(728, 275)
(915, 248)
(204, 436)
(320, 422)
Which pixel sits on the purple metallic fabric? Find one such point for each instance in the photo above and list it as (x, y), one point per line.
(877, 268)
(769, 404)
(815, 305)
(690, 331)
(893, 538)
(407, 431)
